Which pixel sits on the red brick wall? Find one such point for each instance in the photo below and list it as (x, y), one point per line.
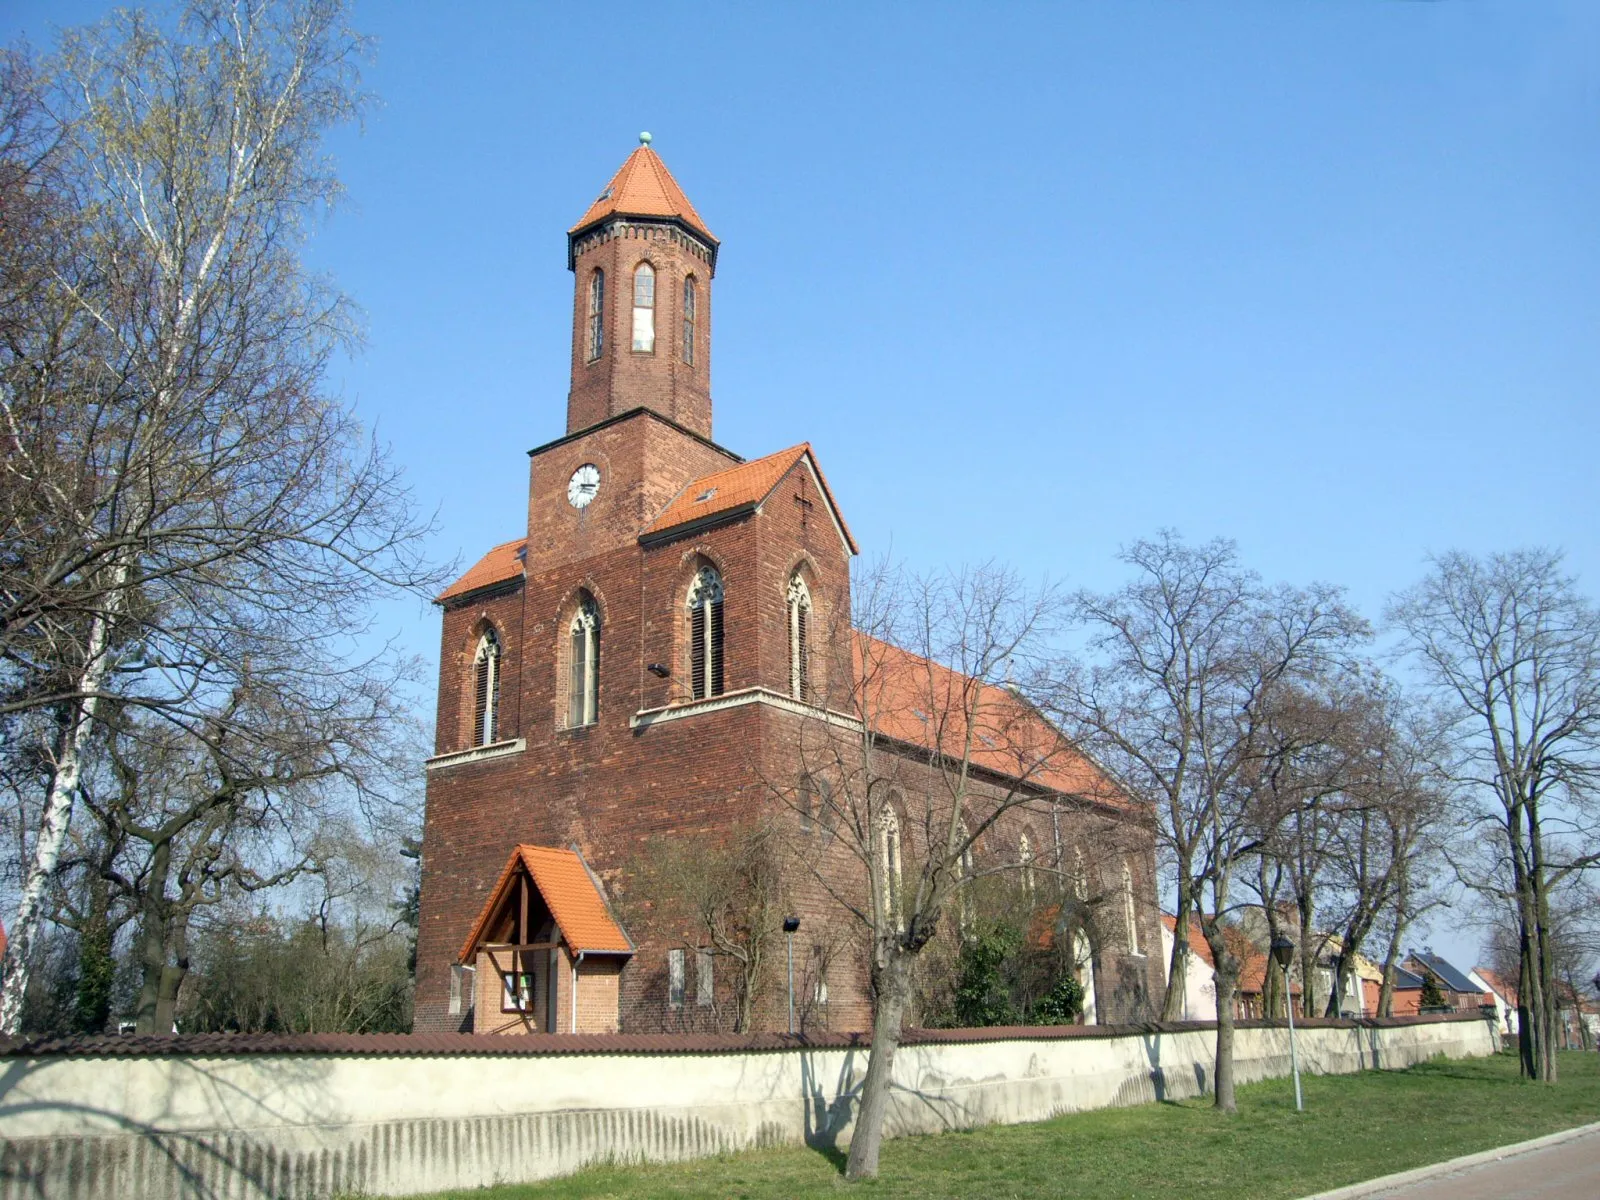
(607, 788)
(622, 378)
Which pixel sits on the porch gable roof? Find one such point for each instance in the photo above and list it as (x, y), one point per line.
(571, 893)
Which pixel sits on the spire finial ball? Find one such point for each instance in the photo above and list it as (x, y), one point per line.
(645, 139)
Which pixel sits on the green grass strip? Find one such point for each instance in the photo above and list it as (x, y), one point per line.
(1355, 1127)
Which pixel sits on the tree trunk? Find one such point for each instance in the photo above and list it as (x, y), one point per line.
(52, 831)
(1391, 959)
(893, 984)
(153, 942)
(1222, 1068)
(1177, 968)
(1308, 958)
(1550, 1018)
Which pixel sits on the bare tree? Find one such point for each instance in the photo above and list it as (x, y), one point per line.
(919, 744)
(1192, 655)
(1512, 649)
(195, 512)
(723, 898)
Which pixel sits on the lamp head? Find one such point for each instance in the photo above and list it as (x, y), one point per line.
(790, 924)
(1282, 952)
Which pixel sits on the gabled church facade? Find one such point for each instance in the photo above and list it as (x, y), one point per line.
(637, 664)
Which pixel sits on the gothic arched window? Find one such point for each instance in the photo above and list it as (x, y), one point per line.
(966, 874)
(486, 690)
(597, 315)
(644, 308)
(889, 861)
(799, 639)
(690, 317)
(583, 664)
(705, 634)
(1128, 913)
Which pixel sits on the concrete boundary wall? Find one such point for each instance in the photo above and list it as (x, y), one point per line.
(375, 1117)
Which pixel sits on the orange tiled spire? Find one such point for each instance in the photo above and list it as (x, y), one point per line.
(643, 187)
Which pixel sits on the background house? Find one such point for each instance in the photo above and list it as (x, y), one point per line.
(1503, 996)
(1460, 992)
(1200, 974)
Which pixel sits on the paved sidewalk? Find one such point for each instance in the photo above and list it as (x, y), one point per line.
(1563, 1166)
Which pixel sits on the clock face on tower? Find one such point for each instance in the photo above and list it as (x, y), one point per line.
(583, 485)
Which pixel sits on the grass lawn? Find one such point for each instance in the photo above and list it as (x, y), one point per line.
(1355, 1127)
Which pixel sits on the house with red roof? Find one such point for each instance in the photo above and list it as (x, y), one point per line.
(1503, 993)
(1200, 970)
(637, 662)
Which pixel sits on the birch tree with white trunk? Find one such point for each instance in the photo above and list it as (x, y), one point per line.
(184, 502)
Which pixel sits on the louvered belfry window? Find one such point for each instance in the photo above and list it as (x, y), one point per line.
(583, 682)
(705, 634)
(486, 690)
(597, 315)
(799, 639)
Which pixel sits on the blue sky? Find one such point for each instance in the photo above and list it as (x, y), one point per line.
(1035, 280)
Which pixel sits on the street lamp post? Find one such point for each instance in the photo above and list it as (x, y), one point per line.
(790, 924)
(1283, 955)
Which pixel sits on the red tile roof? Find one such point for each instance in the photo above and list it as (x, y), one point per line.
(912, 700)
(1506, 991)
(500, 565)
(739, 488)
(1197, 942)
(214, 1045)
(580, 911)
(1252, 963)
(643, 187)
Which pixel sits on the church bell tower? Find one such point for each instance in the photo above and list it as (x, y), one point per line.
(642, 262)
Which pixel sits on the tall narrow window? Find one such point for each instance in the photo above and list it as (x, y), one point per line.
(644, 309)
(799, 639)
(1025, 861)
(1080, 874)
(691, 307)
(704, 981)
(889, 857)
(597, 315)
(1128, 913)
(966, 867)
(583, 682)
(705, 634)
(486, 690)
(675, 979)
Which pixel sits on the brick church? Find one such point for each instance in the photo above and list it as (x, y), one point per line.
(636, 669)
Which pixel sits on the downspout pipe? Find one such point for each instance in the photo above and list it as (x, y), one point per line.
(575, 963)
